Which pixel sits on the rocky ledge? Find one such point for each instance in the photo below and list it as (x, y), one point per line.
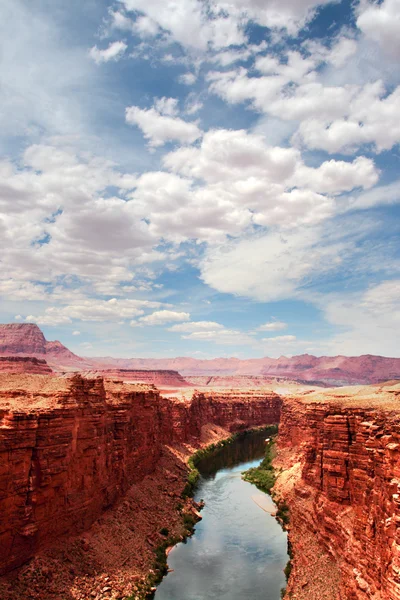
(339, 455)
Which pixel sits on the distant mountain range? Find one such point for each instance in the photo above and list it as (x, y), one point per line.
(25, 339)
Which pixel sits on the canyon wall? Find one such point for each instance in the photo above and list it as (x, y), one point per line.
(340, 455)
(161, 377)
(24, 364)
(70, 448)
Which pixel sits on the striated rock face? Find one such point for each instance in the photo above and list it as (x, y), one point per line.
(159, 378)
(229, 381)
(341, 456)
(235, 410)
(232, 411)
(70, 448)
(66, 455)
(22, 338)
(27, 339)
(24, 364)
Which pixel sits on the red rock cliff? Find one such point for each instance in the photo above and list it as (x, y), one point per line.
(161, 377)
(22, 338)
(70, 448)
(341, 455)
(24, 364)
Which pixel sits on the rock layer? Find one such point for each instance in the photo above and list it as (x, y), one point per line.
(24, 364)
(158, 378)
(341, 459)
(70, 448)
(22, 338)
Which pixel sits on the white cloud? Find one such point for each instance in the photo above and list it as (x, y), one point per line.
(76, 333)
(193, 106)
(160, 128)
(113, 52)
(281, 339)
(197, 24)
(336, 176)
(188, 22)
(145, 27)
(381, 23)
(197, 326)
(95, 310)
(383, 194)
(275, 265)
(167, 106)
(273, 326)
(221, 336)
(295, 88)
(161, 317)
(142, 26)
(239, 170)
(41, 96)
(368, 322)
(337, 55)
(187, 78)
(49, 319)
(370, 118)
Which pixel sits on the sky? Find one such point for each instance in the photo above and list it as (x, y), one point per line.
(196, 178)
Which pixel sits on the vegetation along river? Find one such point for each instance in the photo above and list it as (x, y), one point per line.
(238, 550)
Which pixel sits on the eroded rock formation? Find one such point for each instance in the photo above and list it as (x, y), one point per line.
(340, 455)
(22, 338)
(27, 339)
(70, 448)
(24, 364)
(159, 378)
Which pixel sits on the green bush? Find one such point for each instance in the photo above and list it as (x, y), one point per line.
(263, 476)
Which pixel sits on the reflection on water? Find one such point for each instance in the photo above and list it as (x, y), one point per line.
(238, 551)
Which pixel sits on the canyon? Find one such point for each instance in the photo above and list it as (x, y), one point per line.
(73, 448)
(93, 465)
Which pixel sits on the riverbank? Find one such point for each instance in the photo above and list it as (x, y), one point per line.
(239, 549)
(189, 509)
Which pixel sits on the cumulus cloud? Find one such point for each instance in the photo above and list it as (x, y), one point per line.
(188, 22)
(369, 118)
(194, 326)
(381, 23)
(113, 52)
(93, 309)
(281, 339)
(142, 26)
(273, 326)
(49, 319)
(198, 25)
(160, 126)
(161, 317)
(269, 185)
(334, 118)
(187, 78)
(221, 336)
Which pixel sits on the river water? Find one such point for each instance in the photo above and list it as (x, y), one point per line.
(239, 550)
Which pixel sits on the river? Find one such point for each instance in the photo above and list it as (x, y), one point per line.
(239, 550)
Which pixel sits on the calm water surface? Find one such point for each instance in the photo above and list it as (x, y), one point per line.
(238, 551)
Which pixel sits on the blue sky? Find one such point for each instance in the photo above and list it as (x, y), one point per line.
(181, 177)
